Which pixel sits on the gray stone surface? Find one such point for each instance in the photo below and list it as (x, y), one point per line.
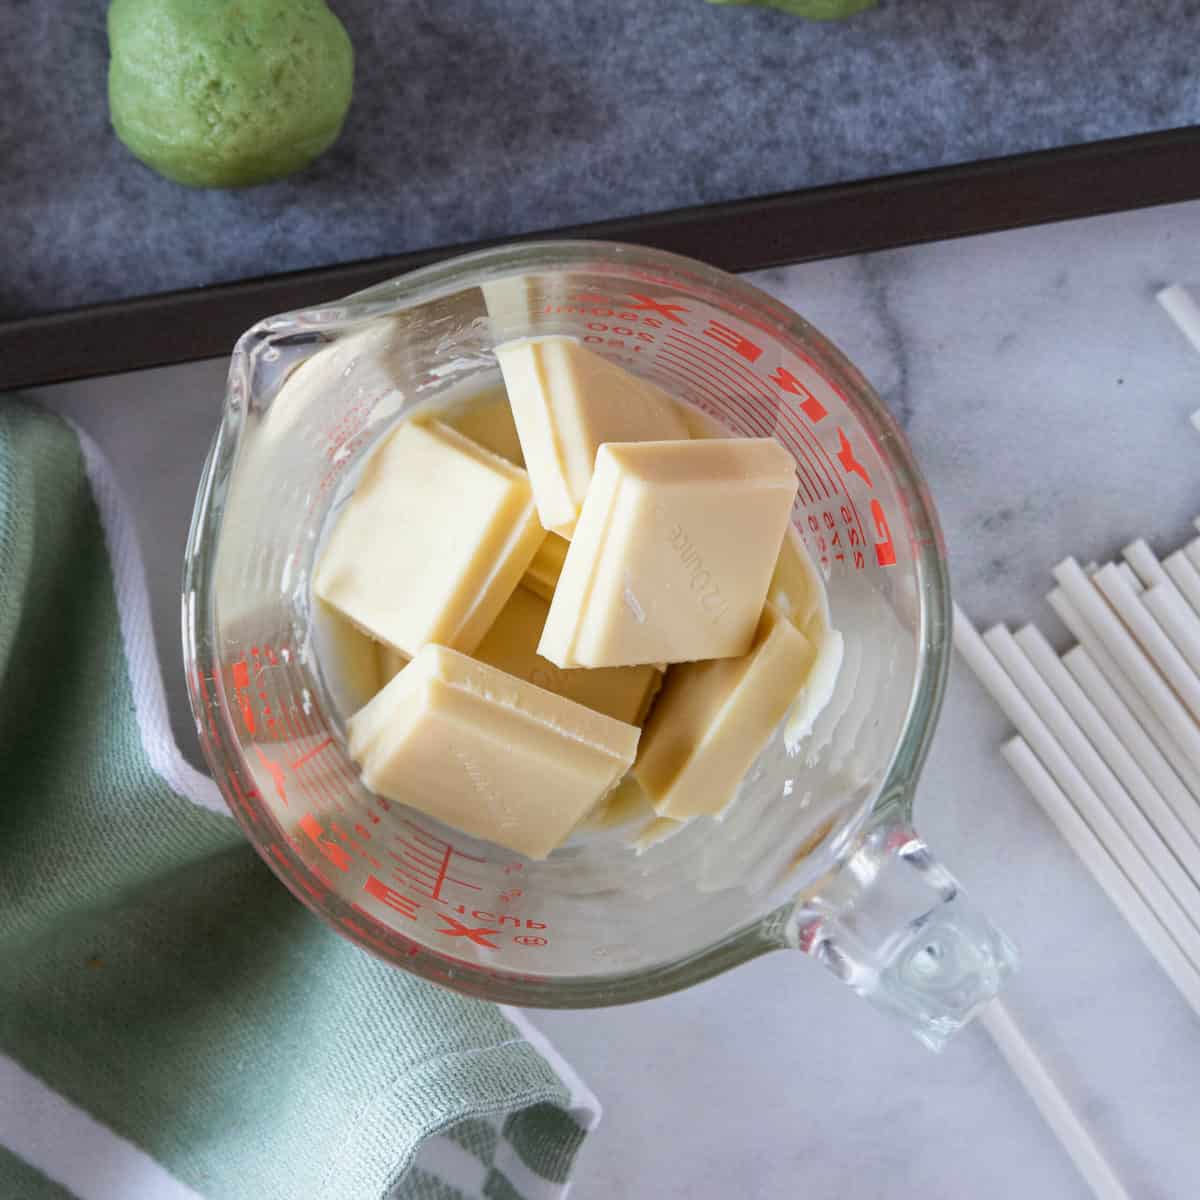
(479, 118)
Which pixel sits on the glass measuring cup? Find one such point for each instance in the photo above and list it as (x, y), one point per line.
(818, 852)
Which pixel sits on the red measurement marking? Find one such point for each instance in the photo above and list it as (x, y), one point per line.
(850, 464)
(779, 415)
(339, 768)
(809, 936)
(784, 412)
(241, 689)
(528, 939)
(275, 771)
(885, 548)
(397, 901)
(729, 373)
(439, 844)
(707, 380)
(291, 724)
(455, 928)
(667, 369)
(430, 880)
(346, 839)
(778, 419)
(429, 859)
(703, 380)
(758, 386)
(813, 486)
(311, 754)
(325, 777)
(810, 406)
(336, 855)
(427, 862)
(737, 342)
(419, 869)
(328, 781)
(749, 419)
(644, 303)
(326, 794)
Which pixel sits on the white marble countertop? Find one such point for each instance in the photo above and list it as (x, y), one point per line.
(1046, 396)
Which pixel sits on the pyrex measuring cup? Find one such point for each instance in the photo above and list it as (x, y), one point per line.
(817, 853)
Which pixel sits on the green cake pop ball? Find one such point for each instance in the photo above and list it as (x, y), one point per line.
(227, 93)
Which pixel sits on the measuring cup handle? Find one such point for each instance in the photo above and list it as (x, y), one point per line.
(895, 925)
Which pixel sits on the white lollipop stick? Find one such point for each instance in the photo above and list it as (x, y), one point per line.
(1129, 657)
(1044, 1091)
(1183, 310)
(1104, 870)
(1182, 837)
(1157, 646)
(1177, 620)
(1154, 844)
(1141, 558)
(1127, 573)
(1135, 739)
(1185, 577)
(1098, 657)
(1154, 575)
(1021, 713)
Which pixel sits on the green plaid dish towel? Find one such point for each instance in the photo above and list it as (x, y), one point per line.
(173, 1024)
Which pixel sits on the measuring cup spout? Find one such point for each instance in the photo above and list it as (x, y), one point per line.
(895, 925)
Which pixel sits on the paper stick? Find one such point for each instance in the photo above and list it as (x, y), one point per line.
(1056, 1110)
(1159, 648)
(1134, 738)
(1183, 310)
(1183, 839)
(1130, 658)
(1097, 654)
(1167, 852)
(1127, 573)
(1131, 905)
(1185, 577)
(1176, 620)
(1141, 558)
(1068, 776)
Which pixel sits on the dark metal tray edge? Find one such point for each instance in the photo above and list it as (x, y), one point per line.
(827, 222)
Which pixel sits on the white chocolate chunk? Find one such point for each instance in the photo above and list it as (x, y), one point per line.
(626, 804)
(515, 303)
(566, 402)
(487, 420)
(511, 645)
(431, 542)
(795, 588)
(673, 553)
(349, 658)
(547, 565)
(488, 753)
(712, 720)
(656, 831)
(390, 663)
